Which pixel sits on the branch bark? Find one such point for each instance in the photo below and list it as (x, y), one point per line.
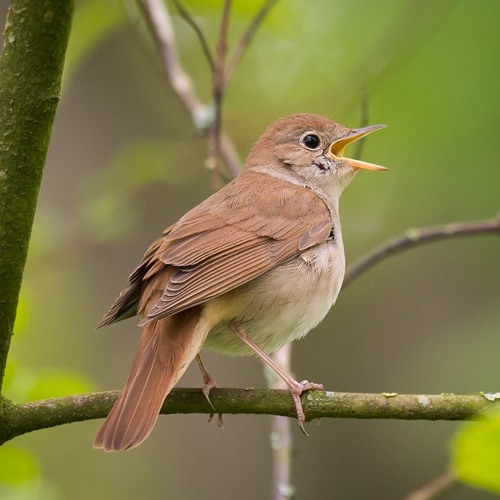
(417, 237)
(19, 419)
(36, 37)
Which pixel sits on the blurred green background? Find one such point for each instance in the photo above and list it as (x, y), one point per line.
(125, 162)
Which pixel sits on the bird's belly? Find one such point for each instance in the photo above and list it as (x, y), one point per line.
(281, 305)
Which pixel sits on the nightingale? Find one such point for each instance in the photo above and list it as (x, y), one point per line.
(254, 266)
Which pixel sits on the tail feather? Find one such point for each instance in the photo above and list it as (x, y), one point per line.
(166, 349)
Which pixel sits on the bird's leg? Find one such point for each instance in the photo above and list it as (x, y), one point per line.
(208, 381)
(296, 388)
(208, 385)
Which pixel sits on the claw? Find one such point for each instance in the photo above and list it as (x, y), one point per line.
(296, 390)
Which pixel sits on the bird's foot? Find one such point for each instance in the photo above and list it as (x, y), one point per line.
(296, 390)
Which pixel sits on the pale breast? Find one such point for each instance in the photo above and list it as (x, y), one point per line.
(282, 305)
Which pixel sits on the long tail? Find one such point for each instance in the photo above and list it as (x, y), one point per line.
(166, 349)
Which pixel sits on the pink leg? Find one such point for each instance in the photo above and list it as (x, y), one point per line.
(208, 385)
(296, 388)
(208, 381)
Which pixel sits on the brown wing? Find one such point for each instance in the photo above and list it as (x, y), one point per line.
(237, 234)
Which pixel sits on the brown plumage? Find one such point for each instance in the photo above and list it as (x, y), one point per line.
(261, 261)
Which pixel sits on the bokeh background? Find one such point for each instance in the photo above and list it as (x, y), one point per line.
(125, 162)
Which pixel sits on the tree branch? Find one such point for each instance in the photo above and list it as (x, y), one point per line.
(219, 89)
(161, 27)
(183, 12)
(281, 432)
(417, 237)
(18, 419)
(434, 489)
(363, 122)
(35, 42)
(249, 34)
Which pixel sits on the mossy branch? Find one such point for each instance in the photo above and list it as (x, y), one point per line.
(35, 41)
(22, 418)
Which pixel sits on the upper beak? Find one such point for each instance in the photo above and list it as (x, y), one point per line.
(337, 147)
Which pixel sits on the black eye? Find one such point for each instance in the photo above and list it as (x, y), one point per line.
(310, 141)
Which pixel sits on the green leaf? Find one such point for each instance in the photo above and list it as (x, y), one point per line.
(476, 453)
(17, 465)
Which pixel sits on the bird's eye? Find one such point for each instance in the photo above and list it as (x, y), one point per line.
(310, 141)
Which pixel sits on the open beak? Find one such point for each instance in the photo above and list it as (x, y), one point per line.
(337, 147)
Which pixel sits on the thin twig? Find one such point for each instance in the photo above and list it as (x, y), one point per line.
(417, 237)
(435, 488)
(160, 25)
(183, 12)
(417, 19)
(230, 155)
(363, 104)
(218, 94)
(281, 433)
(249, 34)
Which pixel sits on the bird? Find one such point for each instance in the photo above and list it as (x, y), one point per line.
(254, 266)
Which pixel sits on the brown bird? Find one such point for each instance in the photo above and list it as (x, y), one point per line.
(254, 266)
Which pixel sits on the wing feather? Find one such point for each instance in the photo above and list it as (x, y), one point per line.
(231, 238)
